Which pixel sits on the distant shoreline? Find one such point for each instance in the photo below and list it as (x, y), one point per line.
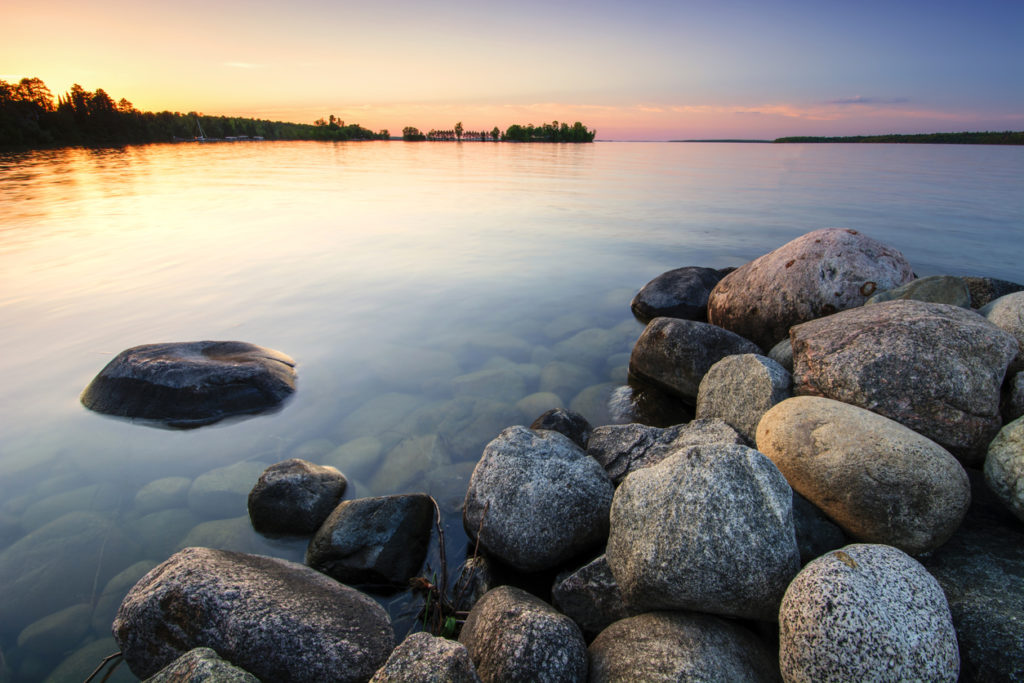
(965, 138)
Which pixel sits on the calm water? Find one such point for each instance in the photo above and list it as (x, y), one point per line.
(431, 293)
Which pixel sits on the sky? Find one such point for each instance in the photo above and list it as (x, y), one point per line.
(632, 70)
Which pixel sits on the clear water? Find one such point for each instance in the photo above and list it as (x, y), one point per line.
(425, 289)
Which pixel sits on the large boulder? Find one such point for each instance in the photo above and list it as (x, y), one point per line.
(374, 541)
(278, 620)
(200, 665)
(815, 275)
(1004, 467)
(674, 354)
(668, 547)
(294, 497)
(423, 658)
(190, 384)
(1007, 313)
(536, 499)
(590, 597)
(937, 289)
(866, 612)
(679, 293)
(878, 480)
(572, 425)
(514, 636)
(985, 290)
(740, 389)
(932, 367)
(679, 646)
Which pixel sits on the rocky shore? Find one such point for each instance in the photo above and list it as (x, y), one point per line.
(846, 504)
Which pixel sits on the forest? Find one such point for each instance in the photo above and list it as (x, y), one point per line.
(547, 132)
(986, 138)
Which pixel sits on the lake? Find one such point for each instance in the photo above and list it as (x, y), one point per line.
(432, 294)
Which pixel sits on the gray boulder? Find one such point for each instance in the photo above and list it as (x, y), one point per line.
(1004, 467)
(1013, 398)
(423, 658)
(878, 480)
(374, 541)
(536, 499)
(191, 384)
(932, 367)
(987, 289)
(866, 612)
(679, 646)
(782, 353)
(674, 354)
(1007, 313)
(679, 293)
(199, 665)
(590, 597)
(740, 389)
(276, 619)
(667, 548)
(937, 289)
(572, 425)
(514, 636)
(294, 497)
(815, 275)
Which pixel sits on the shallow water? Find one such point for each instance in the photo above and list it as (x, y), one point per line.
(432, 294)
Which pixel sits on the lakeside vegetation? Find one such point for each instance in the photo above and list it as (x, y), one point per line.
(547, 132)
(965, 138)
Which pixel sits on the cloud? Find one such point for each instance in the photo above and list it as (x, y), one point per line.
(242, 65)
(860, 99)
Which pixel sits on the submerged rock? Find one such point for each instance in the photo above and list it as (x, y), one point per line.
(191, 384)
(294, 497)
(679, 293)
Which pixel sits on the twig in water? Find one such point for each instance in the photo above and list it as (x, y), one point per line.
(99, 668)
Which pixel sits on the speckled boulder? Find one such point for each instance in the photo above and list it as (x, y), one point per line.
(567, 422)
(985, 290)
(294, 497)
(679, 293)
(191, 384)
(740, 389)
(199, 665)
(932, 367)
(423, 658)
(938, 289)
(667, 548)
(590, 597)
(514, 636)
(782, 353)
(866, 612)
(1007, 313)
(878, 480)
(1004, 467)
(1012, 404)
(679, 646)
(278, 620)
(674, 354)
(815, 275)
(537, 499)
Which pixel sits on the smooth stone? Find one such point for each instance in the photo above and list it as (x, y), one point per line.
(408, 462)
(223, 492)
(380, 541)
(592, 346)
(740, 389)
(470, 424)
(378, 415)
(536, 499)
(200, 665)
(866, 612)
(679, 293)
(313, 449)
(566, 422)
(499, 384)
(191, 384)
(667, 549)
(814, 275)
(113, 593)
(423, 658)
(987, 289)
(160, 494)
(937, 289)
(875, 478)
(358, 458)
(934, 368)
(159, 533)
(537, 403)
(320, 629)
(102, 498)
(675, 354)
(83, 661)
(1004, 467)
(235, 534)
(679, 646)
(565, 379)
(57, 633)
(1012, 405)
(294, 497)
(590, 597)
(514, 636)
(782, 353)
(1007, 313)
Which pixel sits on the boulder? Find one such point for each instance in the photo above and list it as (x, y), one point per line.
(679, 646)
(866, 612)
(1007, 313)
(514, 636)
(572, 425)
(740, 389)
(815, 275)
(878, 480)
(667, 548)
(423, 658)
(374, 541)
(782, 353)
(536, 499)
(199, 665)
(987, 289)
(932, 367)
(937, 289)
(278, 620)
(679, 293)
(1004, 467)
(1012, 405)
(674, 354)
(294, 497)
(191, 384)
(590, 597)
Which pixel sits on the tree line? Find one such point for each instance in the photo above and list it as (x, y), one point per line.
(547, 132)
(981, 138)
(31, 116)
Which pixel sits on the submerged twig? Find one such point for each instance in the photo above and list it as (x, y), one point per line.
(99, 668)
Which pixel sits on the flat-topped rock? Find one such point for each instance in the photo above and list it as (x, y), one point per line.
(190, 384)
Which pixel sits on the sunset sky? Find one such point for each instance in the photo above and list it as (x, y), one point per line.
(637, 70)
